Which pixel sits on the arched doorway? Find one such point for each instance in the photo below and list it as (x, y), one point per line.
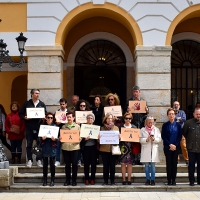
(100, 68)
(185, 74)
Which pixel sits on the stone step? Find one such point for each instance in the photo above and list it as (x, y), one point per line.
(182, 168)
(135, 187)
(60, 178)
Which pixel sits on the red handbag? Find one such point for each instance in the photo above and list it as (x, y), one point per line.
(136, 149)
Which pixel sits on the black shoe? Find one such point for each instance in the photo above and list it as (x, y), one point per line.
(67, 183)
(129, 183)
(123, 182)
(152, 182)
(74, 183)
(192, 183)
(52, 181)
(169, 183)
(113, 183)
(147, 182)
(198, 183)
(45, 181)
(173, 183)
(105, 183)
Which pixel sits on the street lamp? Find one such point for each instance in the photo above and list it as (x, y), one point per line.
(6, 58)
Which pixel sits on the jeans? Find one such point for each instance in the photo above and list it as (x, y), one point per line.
(16, 145)
(30, 136)
(45, 166)
(89, 156)
(171, 164)
(193, 158)
(149, 167)
(58, 151)
(70, 157)
(108, 166)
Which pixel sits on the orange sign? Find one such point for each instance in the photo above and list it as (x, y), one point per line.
(130, 134)
(137, 106)
(71, 136)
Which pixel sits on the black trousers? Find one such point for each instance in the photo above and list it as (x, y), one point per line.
(4, 141)
(70, 158)
(171, 164)
(89, 156)
(45, 166)
(109, 161)
(193, 158)
(30, 136)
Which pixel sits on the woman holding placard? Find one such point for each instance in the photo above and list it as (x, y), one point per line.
(108, 158)
(70, 151)
(149, 138)
(49, 151)
(89, 153)
(126, 158)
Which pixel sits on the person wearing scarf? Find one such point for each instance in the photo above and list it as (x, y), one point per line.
(149, 138)
(108, 159)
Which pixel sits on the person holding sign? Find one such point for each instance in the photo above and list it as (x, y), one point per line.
(126, 158)
(48, 151)
(113, 100)
(32, 125)
(150, 136)
(70, 151)
(89, 153)
(109, 160)
(15, 128)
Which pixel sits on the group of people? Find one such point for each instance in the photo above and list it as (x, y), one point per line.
(175, 133)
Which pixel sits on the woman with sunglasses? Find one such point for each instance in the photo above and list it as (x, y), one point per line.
(81, 105)
(89, 153)
(126, 158)
(49, 151)
(108, 159)
(113, 100)
(149, 138)
(70, 151)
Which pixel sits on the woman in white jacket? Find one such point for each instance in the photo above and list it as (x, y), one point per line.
(149, 138)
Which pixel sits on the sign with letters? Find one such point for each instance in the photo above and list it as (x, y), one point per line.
(61, 117)
(81, 116)
(130, 134)
(35, 112)
(48, 131)
(89, 130)
(115, 110)
(71, 136)
(137, 106)
(109, 137)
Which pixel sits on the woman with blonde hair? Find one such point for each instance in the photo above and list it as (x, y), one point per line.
(149, 138)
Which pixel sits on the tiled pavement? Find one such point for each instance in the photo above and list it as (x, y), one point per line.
(102, 196)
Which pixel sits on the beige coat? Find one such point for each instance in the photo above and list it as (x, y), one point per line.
(71, 146)
(107, 147)
(150, 150)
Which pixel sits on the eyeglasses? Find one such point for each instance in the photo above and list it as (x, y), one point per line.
(82, 105)
(111, 99)
(127, 118)
(49, 117)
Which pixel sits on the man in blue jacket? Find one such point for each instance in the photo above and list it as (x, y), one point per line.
(32, 125)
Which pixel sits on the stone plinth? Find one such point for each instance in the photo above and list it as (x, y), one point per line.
(7, 176)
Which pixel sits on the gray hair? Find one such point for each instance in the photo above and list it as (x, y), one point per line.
(136, 88)
(33, 90)
(149, 118)
(90, 114)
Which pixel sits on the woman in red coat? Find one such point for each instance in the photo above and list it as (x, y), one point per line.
(15, 129)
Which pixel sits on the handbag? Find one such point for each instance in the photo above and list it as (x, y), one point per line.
(116, 150)
(15, 129)
(37, 149)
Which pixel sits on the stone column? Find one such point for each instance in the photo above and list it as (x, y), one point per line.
(45, 71)
(153, 76)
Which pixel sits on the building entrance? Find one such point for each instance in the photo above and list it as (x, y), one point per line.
(100, 68)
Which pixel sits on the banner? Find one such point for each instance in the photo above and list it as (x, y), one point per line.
(48, 131)
(115, 110)
(130, 134)
(35, 113)
(81, 116)
(89, 130)
(109, 137)
(61, 117)
(71, 136)
(137, 106)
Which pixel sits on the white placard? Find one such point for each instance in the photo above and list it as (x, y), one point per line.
(48, 131)
(90, 130)
(35, 112)
(81, 116)
(109, 137)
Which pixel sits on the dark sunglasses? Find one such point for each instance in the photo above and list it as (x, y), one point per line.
(127, 118)
(49, 117)
(82, 105)
(110, 99)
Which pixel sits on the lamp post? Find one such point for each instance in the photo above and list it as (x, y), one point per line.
(6, 58)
